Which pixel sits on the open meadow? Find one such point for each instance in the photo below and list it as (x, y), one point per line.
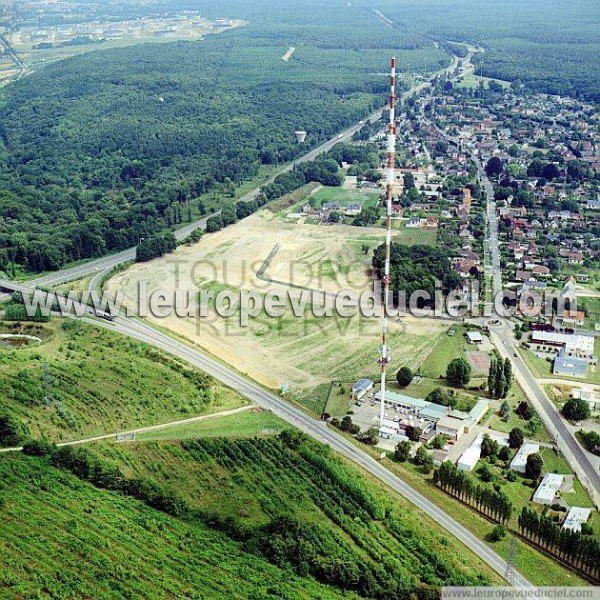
(82, 381)
(304, 353)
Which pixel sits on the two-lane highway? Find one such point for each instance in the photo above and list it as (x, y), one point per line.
(504, 341)
(143, 332)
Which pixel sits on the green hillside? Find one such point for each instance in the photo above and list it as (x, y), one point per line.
(82, 381)
(62, 538)
(293, 501)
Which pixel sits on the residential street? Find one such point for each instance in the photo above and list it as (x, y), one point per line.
(584, 465)
(505, 342)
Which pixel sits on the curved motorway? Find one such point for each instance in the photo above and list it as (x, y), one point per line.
(143, 332)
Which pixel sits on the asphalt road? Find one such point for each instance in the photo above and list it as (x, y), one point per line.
(492, 238)
(505, 342)
(143, 332)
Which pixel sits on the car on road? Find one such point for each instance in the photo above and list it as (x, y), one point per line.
(104, 315)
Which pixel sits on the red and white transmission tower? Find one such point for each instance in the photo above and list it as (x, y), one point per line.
(389, 195)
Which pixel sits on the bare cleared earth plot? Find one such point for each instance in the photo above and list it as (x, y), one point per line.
(307, 353)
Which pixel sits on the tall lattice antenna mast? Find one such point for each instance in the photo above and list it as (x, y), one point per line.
(389, 195)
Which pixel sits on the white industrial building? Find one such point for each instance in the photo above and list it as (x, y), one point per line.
(519, 461)
(547, 490)
(576, 517)
(406, 402)
(474, 337)
(451, 423)
(592, 398)
(574, 344)
(470, 457)
(477, 412)
(453, 428)
(360, 388)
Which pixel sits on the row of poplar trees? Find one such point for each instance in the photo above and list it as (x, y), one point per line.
(500, 377)
(486, 500)
(580, 551)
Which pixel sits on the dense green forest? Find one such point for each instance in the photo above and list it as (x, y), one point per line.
(414, 268)
(548, 45)
(100, 150)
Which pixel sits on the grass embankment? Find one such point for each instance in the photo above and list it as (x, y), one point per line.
(250, 483)
(60, 537)
(251, 423)
(83, 381)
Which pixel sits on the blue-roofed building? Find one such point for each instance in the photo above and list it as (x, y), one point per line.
(414, 404)
(360, 388)
(477, 412)
(568, 365)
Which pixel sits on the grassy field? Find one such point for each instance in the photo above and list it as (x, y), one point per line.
(302, 352)
(466, 398)
(472, 81)
(447, 348)
(250, 423)
(344, 197)
(83, 381)
(60, 537)
(338, 401)
(515, 396)
(413, 236)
